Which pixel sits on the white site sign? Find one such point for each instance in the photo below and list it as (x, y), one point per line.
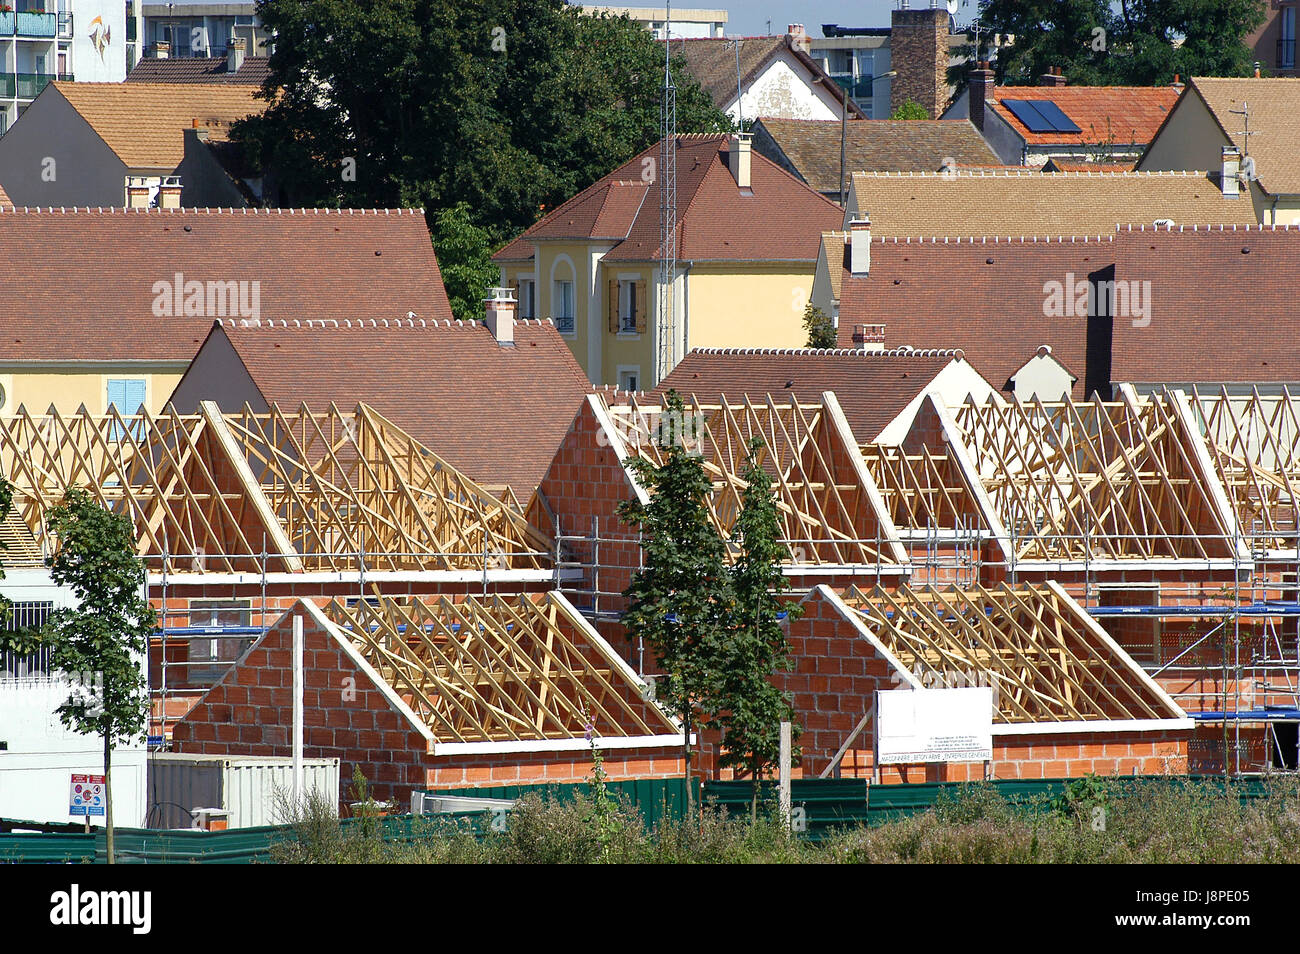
(934, 725)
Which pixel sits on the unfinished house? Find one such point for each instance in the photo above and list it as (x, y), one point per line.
(833, 520)
(437, 692)
(1067, 699)
(237, 516)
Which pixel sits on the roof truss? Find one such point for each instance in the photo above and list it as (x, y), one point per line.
(1046, 660)
(497, 669)
(922, 490)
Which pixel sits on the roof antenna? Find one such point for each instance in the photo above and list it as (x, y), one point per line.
(740, 106)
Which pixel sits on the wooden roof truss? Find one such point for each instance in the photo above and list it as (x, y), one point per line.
(826, 513)
(1110, 480)
(500, 669)
(1046, 660)
(1254, 443)
(216, 492)
(922, 490)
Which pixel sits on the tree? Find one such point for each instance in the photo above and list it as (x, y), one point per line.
(106, 634)
(910, 109)
(681, 599)
(751, 707)
(821, 329)
(465, 261)
(506, 105)
(1132, 43)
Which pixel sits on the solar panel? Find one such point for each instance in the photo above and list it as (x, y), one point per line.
(1028, 114)
(1053, 114)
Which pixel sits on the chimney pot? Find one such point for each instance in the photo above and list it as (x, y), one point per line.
(798, 37)
(499, 314)
(860, 246)
(738, 159)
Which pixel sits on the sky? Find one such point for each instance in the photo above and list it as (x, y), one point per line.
(750, 17)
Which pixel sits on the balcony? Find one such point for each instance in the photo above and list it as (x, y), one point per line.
(41, 26)
(6, 85)
(29, 85)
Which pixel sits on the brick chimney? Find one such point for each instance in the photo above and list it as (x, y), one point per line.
(234, 54)
(1053, 77)
(161, 50)
(169, 193)
(738, 158)
(137, 192)
(499, 312)
(869, 337)
(980, 86)
(860, 246)
(1228, 180)
(798, 37)
(918, 52)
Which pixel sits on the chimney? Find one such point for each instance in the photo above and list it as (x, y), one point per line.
(870, 337)
(161, 50)
(234, 54)
(918, 52)
(137, 192)
(500, 316)
(200, 132)
(1228, 181)
(798, 37)
(981, 85)
(860, 246)
(169, 193)
(738, 156)
(1053, 77)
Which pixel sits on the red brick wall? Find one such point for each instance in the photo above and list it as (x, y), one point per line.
(486, 770)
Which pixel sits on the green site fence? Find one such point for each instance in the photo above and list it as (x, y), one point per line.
(653, 798)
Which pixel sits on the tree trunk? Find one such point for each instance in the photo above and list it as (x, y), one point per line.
(108, 795)
(686, 746)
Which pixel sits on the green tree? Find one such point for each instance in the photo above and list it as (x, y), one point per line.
(820, 327)
(465, 260)
(506, 105)
(751, 707)
(106, 634)
(910, 109)
(6, 504)
(681, 599)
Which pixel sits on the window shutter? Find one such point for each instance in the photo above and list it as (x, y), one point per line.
(611, 307)
(642, 306)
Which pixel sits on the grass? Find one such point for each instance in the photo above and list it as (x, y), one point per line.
(1097, 821)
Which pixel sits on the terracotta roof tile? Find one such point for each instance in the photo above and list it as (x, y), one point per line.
(5, 201)
(496, 413)
(200, 69)
(872, 387)
(811, 148)
(90, 293)
(1126, 114)
(145, 123)
(1031, 203)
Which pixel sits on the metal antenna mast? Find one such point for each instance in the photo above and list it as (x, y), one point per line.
(667, 324)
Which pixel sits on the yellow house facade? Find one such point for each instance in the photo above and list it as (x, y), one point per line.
(37, 386)
(747, 247)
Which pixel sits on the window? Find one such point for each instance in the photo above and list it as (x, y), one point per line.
(527, 298)
(562, 306)
(216, 650)
(1286, 39)
(629, 378)
(127, 396)
(31, 614)
(627, 306)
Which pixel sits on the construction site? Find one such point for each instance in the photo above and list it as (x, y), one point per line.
(1124, 575)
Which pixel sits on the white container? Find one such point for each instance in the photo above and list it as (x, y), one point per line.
(247, 786)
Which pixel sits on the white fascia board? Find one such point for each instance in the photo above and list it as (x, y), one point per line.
(1083, 726)
(620, 449)
(604, 743)
(371, 576)
(846, 569)
(1136, 564)
(855, 620)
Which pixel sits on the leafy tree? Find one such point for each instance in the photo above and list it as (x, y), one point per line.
(506, 105)
(6, 504)
(820, 327)
(106, 634)
(681, 599)
(910, 109)
(751, 707)
(465, 260)
(1130, 43)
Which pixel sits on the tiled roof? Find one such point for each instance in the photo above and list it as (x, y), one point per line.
(90, 293)
(812, 147)
(712, 61)
(145, 123)
(5, 201)
(1061, 165)
(834, 243)
(200, 69)
(496, 413)
(782, 220)
(1215, 303)
(872, 387)
(1031, 203)
(1124, 115)
(1274, 120)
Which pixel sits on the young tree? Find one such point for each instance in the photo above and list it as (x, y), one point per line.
(106, 634)
(465, 260)
(910, 109)
(681, 599)
(820, 327)
(751, 707)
